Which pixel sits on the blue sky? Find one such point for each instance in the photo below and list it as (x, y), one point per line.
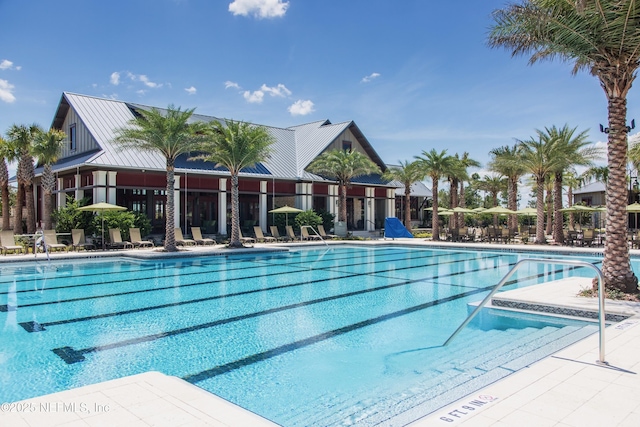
(413, 75)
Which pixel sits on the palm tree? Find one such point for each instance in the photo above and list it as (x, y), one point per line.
(454, 175)
(465, 163)
(571, 181)
(536, 155)
(435, 165)
(170, 134)
(343, 166)
(406, 173)
(47, 149)
(602, 37)
(505, 162)
(235, 145)
(493, 184)
(6, 153)
(22, 138)
(572, 150)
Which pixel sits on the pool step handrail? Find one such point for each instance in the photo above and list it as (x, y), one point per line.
(601, 313)
(309, 227)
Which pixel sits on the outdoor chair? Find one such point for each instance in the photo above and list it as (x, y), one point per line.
(324, 234)
(260, 237)
(50, 241)
(275, 233)
(136, 239)
(246, 239)
(116, 240)
(8, 242)
(290, 234)
(197, 236)
(180, 240)
(305, 235)
(587, 237)
(79, 241)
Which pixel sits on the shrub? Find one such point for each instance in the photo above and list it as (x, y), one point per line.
(69, 217)
(308, 218)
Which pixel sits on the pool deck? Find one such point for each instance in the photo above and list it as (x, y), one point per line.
(567, 389)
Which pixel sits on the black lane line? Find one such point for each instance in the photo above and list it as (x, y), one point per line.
(71, 355)
(295, 266)
(162, 288)
(259, 357)
(33, 326)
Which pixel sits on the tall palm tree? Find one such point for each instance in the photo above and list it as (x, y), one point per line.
(235, 145)
(536, 155)
(406, 173)
(46, 148)
(22, 138)
(601, 36)
(504, 160)
(435, 165)
(571, 181)
(455, 174)
(170, 134)
(466, 162)
(493, 184)
(6, 153)
(343, 166)
(572, 150)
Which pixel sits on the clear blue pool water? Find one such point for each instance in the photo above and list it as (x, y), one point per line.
(338, 336)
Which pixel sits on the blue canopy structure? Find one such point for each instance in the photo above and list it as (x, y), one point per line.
(393, 228)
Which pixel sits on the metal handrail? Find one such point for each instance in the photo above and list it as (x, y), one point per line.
(315, 232)
(601, 313)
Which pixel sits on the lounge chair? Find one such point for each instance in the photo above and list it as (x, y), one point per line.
(324, 234)
(116, 240)
(275, 233)
(136, 239)
(180, 240)
(260, 237)
(304, 234)
(51, 241)
(79, 241)
(290, 234)
(246, 239)
(8, 242)
(197, 236)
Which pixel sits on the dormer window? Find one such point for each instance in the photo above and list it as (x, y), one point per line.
(72, 137)
(346, 145)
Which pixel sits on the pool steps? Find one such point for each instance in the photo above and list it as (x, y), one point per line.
(455, 381)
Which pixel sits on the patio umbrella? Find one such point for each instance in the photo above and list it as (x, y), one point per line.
(479, 209)
(459, 209)
(101, 207)
(498, 210)
(528, 212)
(286, 210)
(579, 209)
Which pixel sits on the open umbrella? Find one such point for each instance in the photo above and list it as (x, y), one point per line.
(498, 210)
(528, 212)
(286, 210)
(101, 207)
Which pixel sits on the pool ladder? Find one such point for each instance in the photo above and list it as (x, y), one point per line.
(601, 313)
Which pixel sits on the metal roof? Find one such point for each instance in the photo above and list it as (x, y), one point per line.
(294, 148)
(594, 187)
(418, 189)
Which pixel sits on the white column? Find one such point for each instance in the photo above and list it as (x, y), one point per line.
(99, 186)
(369, 208)
(332, 206)
(263, 206)
(391, 202)
(112, 187)
(304, 196)
(78, 192)
(176, 202)
(222, 207)
(61, 196)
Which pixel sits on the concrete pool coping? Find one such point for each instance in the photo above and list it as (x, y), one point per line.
(565, 389)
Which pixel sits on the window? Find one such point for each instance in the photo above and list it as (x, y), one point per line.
(346, 145)
(159, 210)
(72, 137)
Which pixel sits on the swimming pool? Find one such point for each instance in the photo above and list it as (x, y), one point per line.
(335, 336)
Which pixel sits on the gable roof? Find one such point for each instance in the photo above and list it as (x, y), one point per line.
(293, 150)
(594, 187)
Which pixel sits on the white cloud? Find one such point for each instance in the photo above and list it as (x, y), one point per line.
(6, 64)
(191, 90)
(253, 97)
(144, 79)
(115, 78)
(301, 108)
(259, 8)
(280, 90)
(370, 77)
(6, 90)
(231, 84)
